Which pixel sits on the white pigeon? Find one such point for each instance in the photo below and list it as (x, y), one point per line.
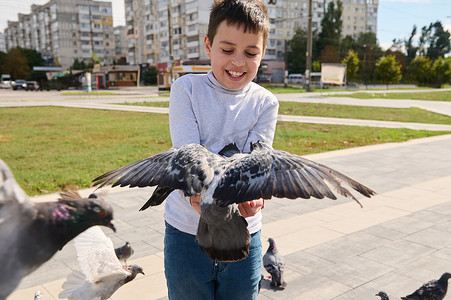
(224, 182)
(101, 272)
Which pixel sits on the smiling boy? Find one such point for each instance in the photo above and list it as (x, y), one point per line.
(216, 109)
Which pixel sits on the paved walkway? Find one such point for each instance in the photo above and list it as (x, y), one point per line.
(333, 249)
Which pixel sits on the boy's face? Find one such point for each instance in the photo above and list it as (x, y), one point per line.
(235, 55)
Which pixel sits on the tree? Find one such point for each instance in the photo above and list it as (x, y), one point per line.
(388, 70)
(296, 59)
(331, 26)
(419, 70)
(369, 52)
(15, 64)
(33, 57)
(2, 61)
(78, 65)
(352, 65)
(441, 71)
(434, 41)
(329, 55)
(150, 75)
(410, 49)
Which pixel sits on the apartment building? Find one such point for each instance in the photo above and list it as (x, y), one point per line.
(65, 30)
(120, 43)
(161, 31)
(2, 42)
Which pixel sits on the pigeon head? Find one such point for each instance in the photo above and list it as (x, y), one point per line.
(272, 245)
(134, 270)
(443, 281)
(257, 145)
(68, 218)
(383, 295)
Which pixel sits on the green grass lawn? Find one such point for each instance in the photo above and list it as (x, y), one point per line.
(429, 96)
(413, 114)
(55, 148)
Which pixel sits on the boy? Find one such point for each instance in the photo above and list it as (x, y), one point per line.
(217, 109)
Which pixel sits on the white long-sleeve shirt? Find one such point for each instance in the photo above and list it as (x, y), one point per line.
(202, 111)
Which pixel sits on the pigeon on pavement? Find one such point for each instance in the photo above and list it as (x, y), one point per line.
(383, 295)
(32, 232)
(123, 253)
(432, 290)
(275, 265)
(224, 182)
(101, 271)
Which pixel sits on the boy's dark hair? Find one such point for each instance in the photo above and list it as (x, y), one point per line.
(252, 14)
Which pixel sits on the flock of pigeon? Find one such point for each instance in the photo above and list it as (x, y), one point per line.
(31, 233)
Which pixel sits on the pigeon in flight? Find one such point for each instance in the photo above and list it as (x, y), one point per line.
(123, 253)
(224, 182)
(31, 232)
(383, 295)
(274, 264)
(101, 271)
(432, 290)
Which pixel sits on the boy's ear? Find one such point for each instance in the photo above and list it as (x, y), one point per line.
(207, 46)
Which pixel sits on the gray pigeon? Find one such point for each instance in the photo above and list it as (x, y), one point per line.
(101, 271)
(432, 290)
(224, 182)
(383, 295)
(274, 264)
(123, 253)
(31, 232)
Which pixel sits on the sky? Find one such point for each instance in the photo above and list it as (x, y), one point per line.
(396, 18)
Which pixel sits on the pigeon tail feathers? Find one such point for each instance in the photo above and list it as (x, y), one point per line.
(228, 240)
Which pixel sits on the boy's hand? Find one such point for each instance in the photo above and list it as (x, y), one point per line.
(195, 202)
(250, 208)
(247, 209)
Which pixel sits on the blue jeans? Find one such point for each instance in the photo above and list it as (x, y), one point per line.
(192, 275)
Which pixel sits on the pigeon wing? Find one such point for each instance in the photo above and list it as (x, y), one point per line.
(281, 174)
(187, 168)
(96, 255)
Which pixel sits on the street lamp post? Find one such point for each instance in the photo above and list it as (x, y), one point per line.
(308, 69)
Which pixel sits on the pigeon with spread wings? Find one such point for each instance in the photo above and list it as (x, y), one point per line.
(224, 182)
(101, 274)
(32, 232)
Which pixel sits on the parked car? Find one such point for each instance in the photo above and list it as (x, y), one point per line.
(6, 84)
(32, 86)
(19, 84)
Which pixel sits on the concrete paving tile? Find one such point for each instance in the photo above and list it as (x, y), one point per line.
(346, 247)
(384, 232)
(306, 287)
(306, 238)
(355, 271)
(444, 253)
(407, 224)
(398, 253)
(425, 268)
(365, 219)
(430, 237)
(430, 216)
(28, 294)
(151, 264)
(289, 225)
(305, 263)
(143, 288)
